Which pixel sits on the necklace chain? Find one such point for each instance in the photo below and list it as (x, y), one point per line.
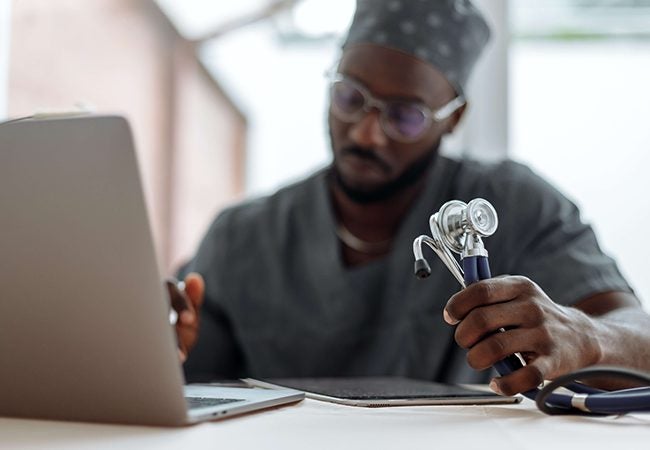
(359, 245)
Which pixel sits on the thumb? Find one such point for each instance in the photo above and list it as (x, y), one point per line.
(195, 289)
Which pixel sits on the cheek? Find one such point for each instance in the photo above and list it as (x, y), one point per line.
(338, 131)
(432, 138)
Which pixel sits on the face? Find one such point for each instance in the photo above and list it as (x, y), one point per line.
(369, 163)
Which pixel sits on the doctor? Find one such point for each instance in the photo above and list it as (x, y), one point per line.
(316, 279)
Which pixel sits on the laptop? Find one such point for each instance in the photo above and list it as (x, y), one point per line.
(84, 316)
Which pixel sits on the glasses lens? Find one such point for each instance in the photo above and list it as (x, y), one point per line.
(405, 120)
(347, 100)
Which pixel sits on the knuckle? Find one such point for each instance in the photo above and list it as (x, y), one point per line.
(479, 320)
(535, 313)
(525, 284)
(497, 346)
(507, 386)
(484, 289)
(531, 310)
(522, 380)
(532, 288)
(461, 337)
(534, 376)
(545, 342)
(521, 280)
(485, 354)
(476, 361)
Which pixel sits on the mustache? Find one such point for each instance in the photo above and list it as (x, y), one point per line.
(367, 154)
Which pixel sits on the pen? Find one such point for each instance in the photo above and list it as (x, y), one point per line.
(177, 299)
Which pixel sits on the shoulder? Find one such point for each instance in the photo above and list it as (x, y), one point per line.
(266, 210)
(496, 174)
(531, 210)
(252, 234)
(508, 183)
(265, 218)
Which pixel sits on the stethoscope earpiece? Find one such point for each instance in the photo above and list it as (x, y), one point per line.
(422, 268)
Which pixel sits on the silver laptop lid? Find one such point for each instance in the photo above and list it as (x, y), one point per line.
(84, 331)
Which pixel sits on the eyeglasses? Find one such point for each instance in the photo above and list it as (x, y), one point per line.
(403, 121)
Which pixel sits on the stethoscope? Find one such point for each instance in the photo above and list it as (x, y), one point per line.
(459, 227)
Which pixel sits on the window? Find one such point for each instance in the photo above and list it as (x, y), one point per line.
(579, 107)
(293, 46)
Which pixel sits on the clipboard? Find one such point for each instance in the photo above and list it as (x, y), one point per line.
(385, 391)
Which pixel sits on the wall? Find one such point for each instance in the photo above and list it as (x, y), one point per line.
(5, 27)
(121, 56)
(208, 171)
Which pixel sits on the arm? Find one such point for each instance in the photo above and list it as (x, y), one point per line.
(206, 343)
(621, 323)
(216, 353)
(592, 318)
(606, 328)
(206, 334)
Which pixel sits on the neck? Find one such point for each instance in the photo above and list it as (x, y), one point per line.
(384, 214)
(368, 229)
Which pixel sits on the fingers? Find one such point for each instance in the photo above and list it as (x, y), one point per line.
(522, 380)
(182, 355)
(193, 299)
(194, 288)
(502, 344)
(485, 320)
(486, 292)
(177, 298)
(186, 298)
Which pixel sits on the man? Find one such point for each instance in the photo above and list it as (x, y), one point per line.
(316, 280)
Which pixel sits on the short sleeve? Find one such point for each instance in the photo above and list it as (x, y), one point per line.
(541, 236)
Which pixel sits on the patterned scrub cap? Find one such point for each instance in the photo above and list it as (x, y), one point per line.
(448, 34)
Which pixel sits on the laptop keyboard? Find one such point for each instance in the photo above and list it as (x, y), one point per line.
(203, 402)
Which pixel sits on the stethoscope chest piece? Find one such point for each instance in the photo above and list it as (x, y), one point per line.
(457, 221)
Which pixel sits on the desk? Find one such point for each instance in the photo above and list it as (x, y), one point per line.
(317, 425)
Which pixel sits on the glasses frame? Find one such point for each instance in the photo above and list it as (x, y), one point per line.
(371, 102)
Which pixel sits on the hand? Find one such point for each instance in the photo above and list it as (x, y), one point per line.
(553, 339)
(186, 299)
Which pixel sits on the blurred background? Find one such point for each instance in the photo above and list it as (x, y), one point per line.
(228, 99)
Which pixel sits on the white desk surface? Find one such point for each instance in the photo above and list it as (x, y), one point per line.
(316, 425)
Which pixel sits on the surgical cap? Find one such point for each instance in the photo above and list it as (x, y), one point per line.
(448, 34)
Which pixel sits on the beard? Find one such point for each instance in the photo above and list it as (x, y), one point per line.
(412, 175)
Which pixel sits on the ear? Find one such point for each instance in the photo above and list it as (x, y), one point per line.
(455, 118)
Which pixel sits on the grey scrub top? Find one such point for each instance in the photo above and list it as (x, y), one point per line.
(280, 302)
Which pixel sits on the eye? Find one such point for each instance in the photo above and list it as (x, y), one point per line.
(347, 98)
(407, 118)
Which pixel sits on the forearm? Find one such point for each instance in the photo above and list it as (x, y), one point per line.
(624, 338)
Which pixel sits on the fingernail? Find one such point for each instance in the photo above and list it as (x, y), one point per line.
(181, 355)
(450, 320)
(495, 387)
(187, 317)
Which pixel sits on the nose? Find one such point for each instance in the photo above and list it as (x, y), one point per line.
(368, 132)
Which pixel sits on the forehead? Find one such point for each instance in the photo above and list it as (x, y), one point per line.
(392, 73)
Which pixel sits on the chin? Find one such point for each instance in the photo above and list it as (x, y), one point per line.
(361, 174)
(360, 190)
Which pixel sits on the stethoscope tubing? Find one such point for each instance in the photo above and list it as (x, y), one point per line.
(475, 268)
(602, 403)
